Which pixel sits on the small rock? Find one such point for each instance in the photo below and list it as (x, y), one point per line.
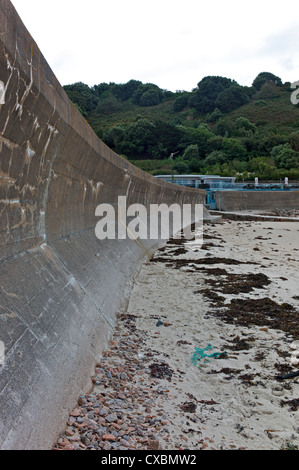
(101, 432)
(106, 446)
(108, 437)
(153, 445)
(85, 440)
(103, 412)
(115, 445)
(111, 418)
(69, 432)
(116, 426)
(278, 391)
(124, 443)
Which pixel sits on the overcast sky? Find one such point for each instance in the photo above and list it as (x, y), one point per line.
(171, 43)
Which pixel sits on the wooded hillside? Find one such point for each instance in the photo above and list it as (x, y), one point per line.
(220, 127)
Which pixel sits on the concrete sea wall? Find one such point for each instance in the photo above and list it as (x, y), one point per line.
(60, 286)
(256, 200)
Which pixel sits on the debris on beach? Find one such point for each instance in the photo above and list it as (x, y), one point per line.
(201, 354)
(160, 370)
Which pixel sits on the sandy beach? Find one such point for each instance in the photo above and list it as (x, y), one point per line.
(197, 360)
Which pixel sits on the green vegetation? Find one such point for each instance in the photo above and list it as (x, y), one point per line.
(219, 127)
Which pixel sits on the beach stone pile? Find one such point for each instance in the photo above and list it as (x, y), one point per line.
(128, 407)
(121, 412)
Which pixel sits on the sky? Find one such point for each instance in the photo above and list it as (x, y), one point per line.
(171, 43)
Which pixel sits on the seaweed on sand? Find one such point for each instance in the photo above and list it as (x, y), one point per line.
(261, 312)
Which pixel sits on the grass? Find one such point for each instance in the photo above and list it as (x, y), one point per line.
(127, 113)
(272, 113)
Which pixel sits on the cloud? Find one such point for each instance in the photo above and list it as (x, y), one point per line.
(279, 50)
(284, 42)
(164, 41)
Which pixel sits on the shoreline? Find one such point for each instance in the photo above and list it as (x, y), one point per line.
(156, 388)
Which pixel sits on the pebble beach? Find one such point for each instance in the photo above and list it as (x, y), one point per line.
(200, 358)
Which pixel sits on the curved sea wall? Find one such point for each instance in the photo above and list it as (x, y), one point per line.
(256, 200)
(60, 286)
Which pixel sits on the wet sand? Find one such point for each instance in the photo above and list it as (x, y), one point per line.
(194, 362)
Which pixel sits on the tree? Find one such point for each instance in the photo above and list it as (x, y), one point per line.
(141, 134)
(84, 97)
(215, 115)
(153, 95)
(150, 98)
(215, 157)
(181, 167)
(262, 166)
(268, 91)
(268, 141)
(195, 165)
(107, 104)
(102, 88)
(125, 91)
(294, 141)
(136, 140)
(285, 157)
(208, 89)
(233, 149)
(115, 137)
(264, 77)
(225, 127)
(181, 102)
(231, 98)
(169, 135)
(197, 136)
(244, 128)
(215, 143)
(191, 152)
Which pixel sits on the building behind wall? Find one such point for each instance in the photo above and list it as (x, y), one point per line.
(210, 183)
(201, 181)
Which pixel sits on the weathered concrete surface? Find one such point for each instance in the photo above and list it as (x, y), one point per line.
(60, 287)
(242, 215)
(256, 200)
